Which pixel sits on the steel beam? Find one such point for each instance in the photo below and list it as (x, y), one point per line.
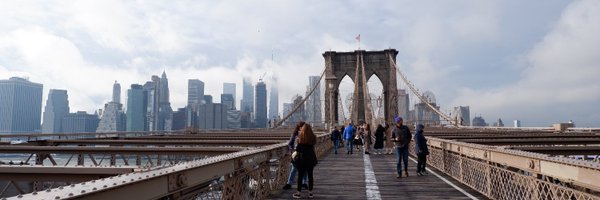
(208, 151)
(59, 173)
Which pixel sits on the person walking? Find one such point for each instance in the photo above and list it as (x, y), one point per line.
(336, 136)
(421, 149)
(368, 139)
(306, 147)
(291, 147)
(379, 135)
(402, 137)
(388, 140)
(348, 137)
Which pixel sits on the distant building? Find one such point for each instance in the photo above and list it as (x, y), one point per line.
(212, 116)
(116, 92)
(208, 99)
(273, 100)
(57, 107)
(195, 92)
(287, 108)
(179, 119)
(403, 104)
(300, 114)
(229, 88)
(499, 123)
(20, 106)
(234, 120)
(247, 102)
(261, 105)
(137, 104)
(158, 112)
(517, 123)
(479, 121)
(462, 115)
(227, 99)
(113, 119)
(80, 122)
(313, 104)
(423, 114)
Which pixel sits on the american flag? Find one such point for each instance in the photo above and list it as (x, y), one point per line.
(358, 37)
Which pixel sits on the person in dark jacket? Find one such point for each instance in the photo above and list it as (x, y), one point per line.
(336, 136)
(379, 136)
(402, 138)
(306, 147)
(291, 147)
(421, 149)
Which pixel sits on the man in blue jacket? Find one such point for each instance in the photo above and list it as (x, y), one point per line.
(349, 136)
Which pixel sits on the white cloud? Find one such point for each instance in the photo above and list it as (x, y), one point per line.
(84, 46)
(563, 71)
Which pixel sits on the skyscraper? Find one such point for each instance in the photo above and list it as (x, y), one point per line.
(158, 112)
(116, 92)
(313, 103)
(403, 104)
(229, 88)
(274, 100)
(261, 105)
(20, 106)
(113, 119)
(137, 103)
(247, 104)
(195, 92)
(165, 112)
(57, 107)
(227, 100)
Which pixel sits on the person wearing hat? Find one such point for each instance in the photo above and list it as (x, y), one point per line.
(401, 137)
(421, 149)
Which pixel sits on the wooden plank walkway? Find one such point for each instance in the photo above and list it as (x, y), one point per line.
(342, 176)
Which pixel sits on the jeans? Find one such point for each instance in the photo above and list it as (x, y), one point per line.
(349, 145)
(402, 156)
(293, 176)
(336, 145)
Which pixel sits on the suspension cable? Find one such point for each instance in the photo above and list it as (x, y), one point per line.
(366, 95)
(416, 93)
(301, 103)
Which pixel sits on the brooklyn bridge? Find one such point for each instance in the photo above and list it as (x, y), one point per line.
(464, 162)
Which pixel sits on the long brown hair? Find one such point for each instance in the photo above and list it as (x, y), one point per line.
(307, 136)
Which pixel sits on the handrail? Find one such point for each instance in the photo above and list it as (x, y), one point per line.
(490, 169)
(239, 175)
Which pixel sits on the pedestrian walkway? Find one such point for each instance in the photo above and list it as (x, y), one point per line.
(343, 176)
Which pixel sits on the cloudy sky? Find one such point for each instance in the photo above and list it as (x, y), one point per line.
(537, 61)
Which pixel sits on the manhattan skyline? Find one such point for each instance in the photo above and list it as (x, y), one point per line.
(532, 61)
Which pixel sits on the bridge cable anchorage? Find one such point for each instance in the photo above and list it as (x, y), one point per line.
(423, 99)
(297, 106)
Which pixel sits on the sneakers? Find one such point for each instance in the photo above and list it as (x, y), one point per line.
(398, 175)
(419, 174)
(310, 195)
(287, 186)
(296, 195)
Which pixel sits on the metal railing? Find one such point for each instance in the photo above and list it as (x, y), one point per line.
(511, 174)
(249, 174)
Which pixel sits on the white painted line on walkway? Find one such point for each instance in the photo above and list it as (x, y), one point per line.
(370, 180)
(448, 182)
